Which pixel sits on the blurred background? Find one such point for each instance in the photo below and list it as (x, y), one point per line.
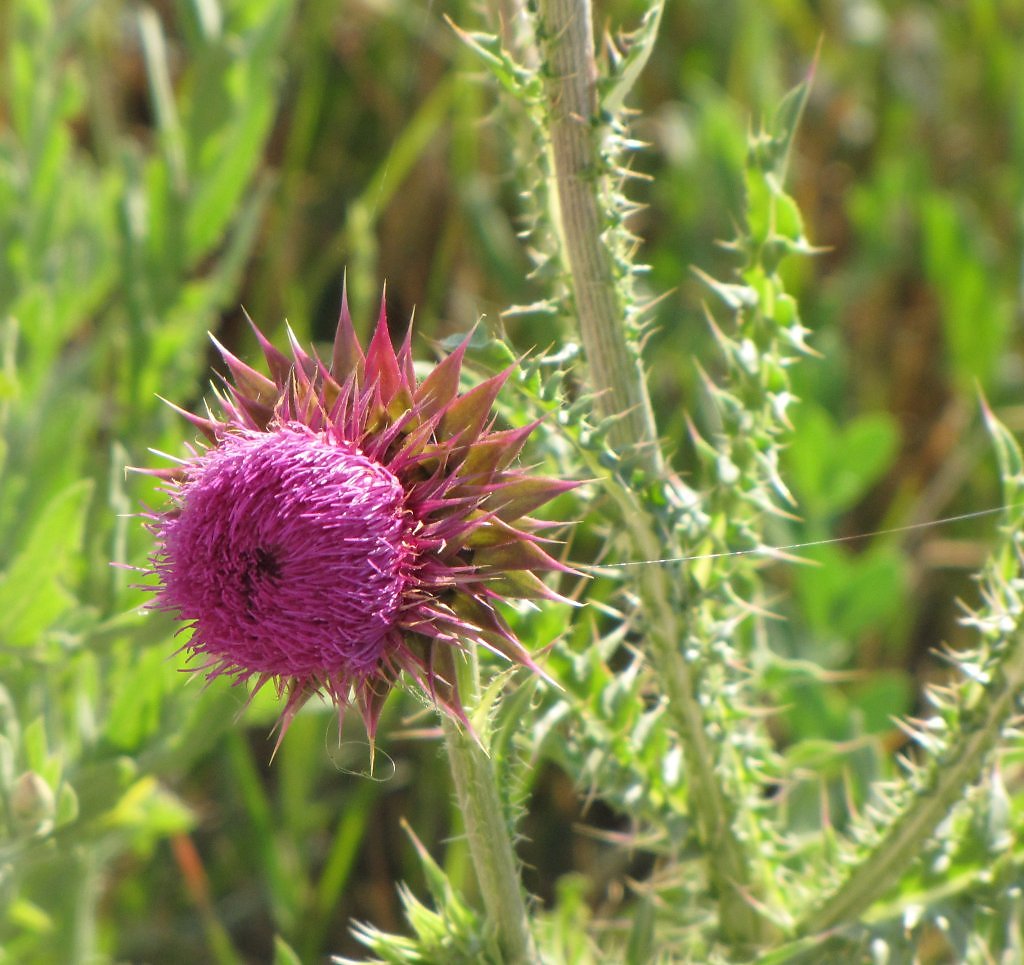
(163, 165)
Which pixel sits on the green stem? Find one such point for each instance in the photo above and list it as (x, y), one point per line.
(961, 765)
(731, 868)
(490, 845)
(567, 42)
(565, 36)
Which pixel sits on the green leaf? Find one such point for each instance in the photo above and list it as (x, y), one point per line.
(639, 45)
(1008, 456)
(284, 954)
(877, 701)
(34, 744)
(785, 123)
(149, 811)
(138, 696)
(831, 468)
(32, 591)
(848, 595)
(640, 948)
(976, 315)
(67, 805)
(500, 63)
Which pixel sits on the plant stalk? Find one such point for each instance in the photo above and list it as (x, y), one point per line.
(565, 37)
(731, 868)
(567, 45)
(891, 856)
(490, 845)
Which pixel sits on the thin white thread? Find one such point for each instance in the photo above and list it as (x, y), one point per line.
(770, 550)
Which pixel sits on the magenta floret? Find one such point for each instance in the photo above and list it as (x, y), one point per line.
(288, 555)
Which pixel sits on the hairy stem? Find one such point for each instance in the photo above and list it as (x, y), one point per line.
(565, 35)
(490, 845)
(567, 42)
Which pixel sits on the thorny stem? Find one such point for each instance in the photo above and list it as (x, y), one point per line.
(567, 44)
(565, 37)
(490, 845)
(904, 840)
(730, 866)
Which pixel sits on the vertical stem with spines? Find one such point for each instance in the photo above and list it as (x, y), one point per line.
(567, 47)
(490, 845)
(731, 866)
(565, 39)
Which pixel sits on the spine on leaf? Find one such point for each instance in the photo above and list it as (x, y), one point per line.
(969, 719)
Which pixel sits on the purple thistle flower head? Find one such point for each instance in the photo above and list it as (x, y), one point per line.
(344, 524)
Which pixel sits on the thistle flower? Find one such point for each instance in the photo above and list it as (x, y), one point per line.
(344, 524)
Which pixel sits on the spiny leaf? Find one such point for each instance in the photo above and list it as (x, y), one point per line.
(625, 72)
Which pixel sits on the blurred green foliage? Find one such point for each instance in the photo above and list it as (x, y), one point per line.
(163, 164)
